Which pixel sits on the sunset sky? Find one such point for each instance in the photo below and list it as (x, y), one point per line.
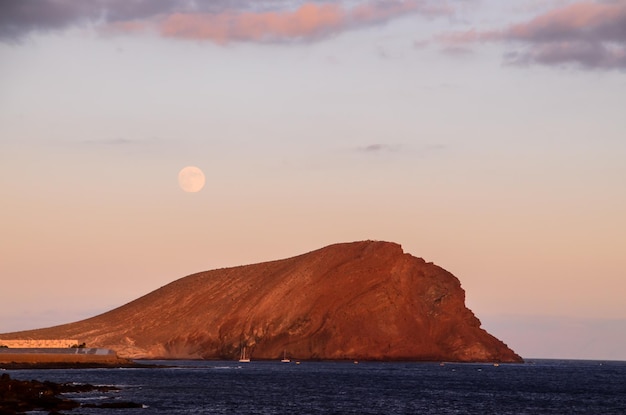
(487, 136)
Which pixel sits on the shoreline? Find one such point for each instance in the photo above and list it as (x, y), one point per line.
(73, 365)
(41, 363)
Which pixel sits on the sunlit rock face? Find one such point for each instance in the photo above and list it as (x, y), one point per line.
(364, 300)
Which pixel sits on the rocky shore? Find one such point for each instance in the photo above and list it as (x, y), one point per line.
(20, 396)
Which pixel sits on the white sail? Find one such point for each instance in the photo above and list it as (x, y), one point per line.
(244, 358)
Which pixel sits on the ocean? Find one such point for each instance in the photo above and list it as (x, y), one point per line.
(224, 387)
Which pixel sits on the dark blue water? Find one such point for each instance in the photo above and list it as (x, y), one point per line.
(192, 387)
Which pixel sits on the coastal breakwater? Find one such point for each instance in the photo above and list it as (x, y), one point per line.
(38, 343)
(66, 356)
(49, 351)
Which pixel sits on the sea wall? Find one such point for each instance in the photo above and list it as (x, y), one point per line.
(34, 344)
(62, 355)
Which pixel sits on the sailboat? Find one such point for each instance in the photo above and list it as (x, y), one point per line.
(244, 358)
(284, 359)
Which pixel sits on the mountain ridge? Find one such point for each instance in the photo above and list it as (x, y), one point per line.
(366, 300)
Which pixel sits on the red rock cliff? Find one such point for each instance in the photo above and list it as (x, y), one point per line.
(363, 300)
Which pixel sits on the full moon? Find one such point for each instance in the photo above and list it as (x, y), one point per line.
(191, 179)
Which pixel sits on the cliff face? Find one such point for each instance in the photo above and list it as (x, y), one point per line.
(364, 300)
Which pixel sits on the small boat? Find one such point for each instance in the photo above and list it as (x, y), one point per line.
(244, 358)
(284, 359)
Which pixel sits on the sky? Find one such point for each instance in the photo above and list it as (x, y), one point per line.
(488, 137)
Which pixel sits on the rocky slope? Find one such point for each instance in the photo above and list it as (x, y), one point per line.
(363, 300)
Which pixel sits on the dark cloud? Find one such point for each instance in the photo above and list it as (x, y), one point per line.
(20, 17)
(586, 54)
(588, 34)
(592, 35)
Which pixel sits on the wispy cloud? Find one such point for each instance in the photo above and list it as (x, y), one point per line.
(590, 34)
(385, 148)
(221, 21)
(378, 148)
(123, 144)
(111, 142)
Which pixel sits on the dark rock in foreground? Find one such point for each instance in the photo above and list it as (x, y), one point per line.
(363, 300)
(19, 396)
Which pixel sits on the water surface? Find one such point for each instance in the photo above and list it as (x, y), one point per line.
(212, 387)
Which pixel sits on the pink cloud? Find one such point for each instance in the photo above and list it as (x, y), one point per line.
(307, 22)
(589, 34)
